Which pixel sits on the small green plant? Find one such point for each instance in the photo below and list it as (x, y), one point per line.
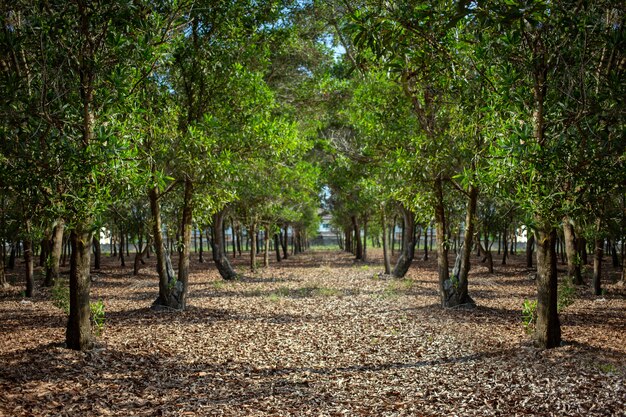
(218, 285)
(283, 292)
(61, 296)
(273, 297)
(606, 368)
(397, 287)
(565, 295)
(529, 315)
(365, 267)
(97, 316)
(327, 292)
(171, 284)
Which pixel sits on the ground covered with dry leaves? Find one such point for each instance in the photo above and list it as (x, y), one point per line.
(318, 334)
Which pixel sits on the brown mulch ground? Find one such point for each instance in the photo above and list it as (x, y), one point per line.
(318, 334)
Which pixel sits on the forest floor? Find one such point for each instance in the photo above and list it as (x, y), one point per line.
(318, 334)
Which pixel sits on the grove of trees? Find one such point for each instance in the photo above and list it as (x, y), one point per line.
(157, 120)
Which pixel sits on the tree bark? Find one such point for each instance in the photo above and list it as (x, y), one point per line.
(614, 257)
(11, 264)
(597, 259)
(387, 261)
(364, 254)
(122, 263)
(139, 258)
(54, 259)
(283, 243)
(239, 235)
(201, 251)
(442, 245)
(3, 278)
(505, 246)
(408, 253)
(573, 261)
(392, 232)
(277, 246)
(45, 249)
(581, 246)
(28, 259)
(168, 284)
(233, 237)
(219, 255)
(548, 328)
(254, 240)
(455, 291)
(266, 241)
(426, 242)
(78, 335)
(184, 250)
(357, 236)
(97, 250)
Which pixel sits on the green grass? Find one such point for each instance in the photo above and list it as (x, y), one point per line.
(397, 287)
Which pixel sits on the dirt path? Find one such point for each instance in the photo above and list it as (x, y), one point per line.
(317, 335)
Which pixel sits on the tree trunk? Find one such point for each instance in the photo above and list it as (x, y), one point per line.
(219, 256)
(54, 259)
(233, 235)
(614, 257)
(239, 237)
(201, 251)
(442, 245)
(387, 261)
(45, 249)
(454, 292)
(530, 246)
(139, 258)
(357, 236)
(582, 250)
(426, 242)
(364, 254)
(78, 334)
(167, 279)
(11, 264)
(277, 246)
(28, 259)
(254, 240)
(266, 241)
(392, 233)
(283, 242)
(406, 256)
(3, 278)
(505, 246)
(486, 250)
(122, 263)
(597, 259)
(184, 249)
(573, 261)
(97, 250)
(548, 328)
